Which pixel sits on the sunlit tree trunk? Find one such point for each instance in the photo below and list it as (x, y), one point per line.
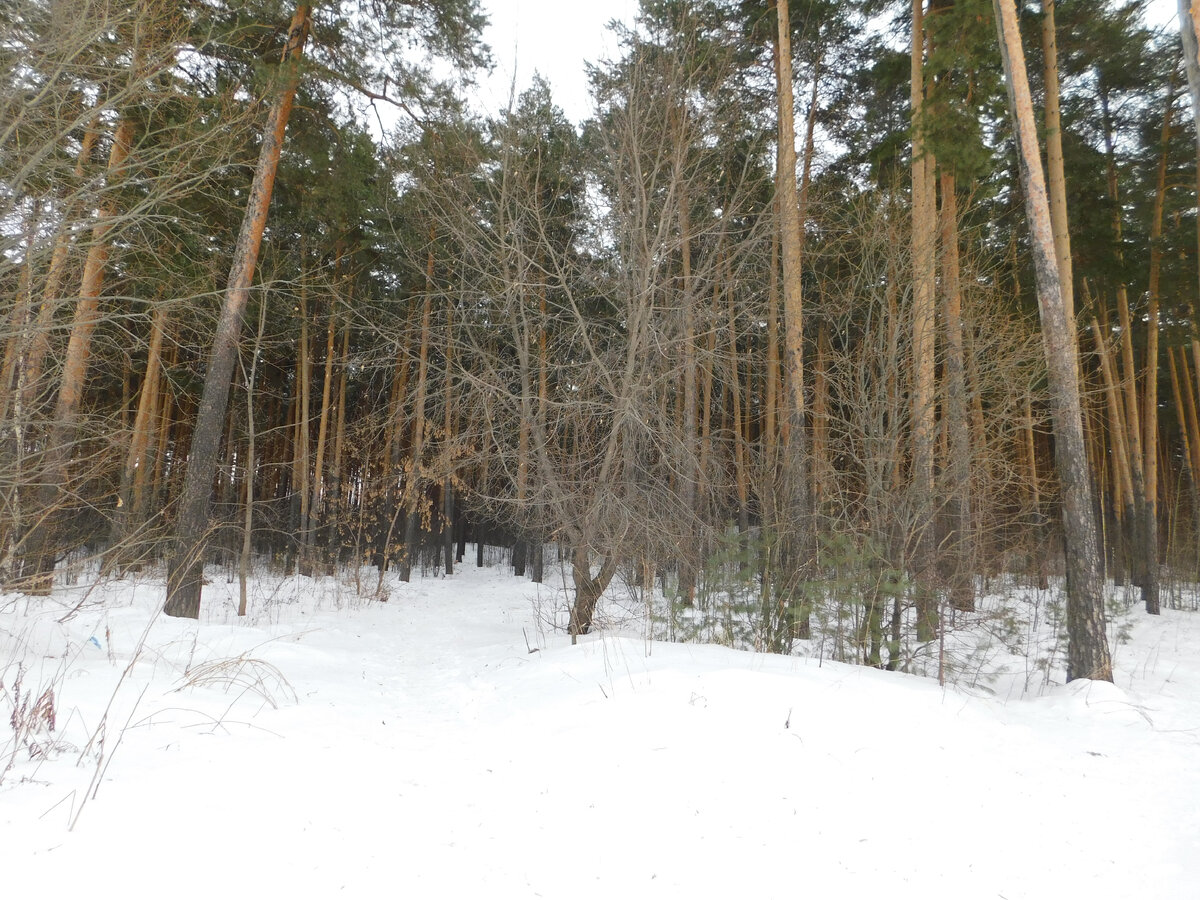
(924, 246)
(139, 445)
(40, 549)
(1055, 177)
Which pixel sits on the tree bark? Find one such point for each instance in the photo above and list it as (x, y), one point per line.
(1148, 535)
(186, 566)
(924, 246)
(126, 519)
(40, 551)
(1056, 179)
(962, 588)
(797, 490)
(1087, 650)
(588, 589)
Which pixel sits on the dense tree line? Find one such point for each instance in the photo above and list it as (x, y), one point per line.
(770, 316)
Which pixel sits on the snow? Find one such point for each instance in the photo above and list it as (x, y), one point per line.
(449, 742)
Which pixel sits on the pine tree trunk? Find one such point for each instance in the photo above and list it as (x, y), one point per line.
(924, 247)
(334, 505)
(689, 444)
(186, 565)
(298, 522)
(248, 518)
(1055, 177)
(1087, 650)
(796, 466)
(308, 552)
(41, 551)
(1148, 548)
(958, 535)
(414, 487)
(124, 522)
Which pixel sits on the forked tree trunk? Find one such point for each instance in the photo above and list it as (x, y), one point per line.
(1087, 648)
(587, 588)
(186, 565)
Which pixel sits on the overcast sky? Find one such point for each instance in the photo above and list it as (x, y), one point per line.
(551, 37)
(555, 38)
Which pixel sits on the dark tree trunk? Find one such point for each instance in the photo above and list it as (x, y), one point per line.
(448, 528)
(185, 568)
(539, 554)
(519, 555)
(587, 589)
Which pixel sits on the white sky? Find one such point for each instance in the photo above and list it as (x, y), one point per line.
(555, 38)
(551, 37)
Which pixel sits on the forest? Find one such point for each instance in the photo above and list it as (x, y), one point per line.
(831, 315)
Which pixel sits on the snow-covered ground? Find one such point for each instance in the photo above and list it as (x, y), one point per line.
(446, 743)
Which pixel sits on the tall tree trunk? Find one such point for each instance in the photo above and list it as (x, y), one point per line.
(689, 445)
(1185, 403)
(186, 565)
(414, 487)
(1148, 535)
(298, 521)
(1122, 475)
(741, 478)
(924, 247)
(795, 613)
(40, 548)
(1055, 177)
(1189, 28)
(962, 589)
(448, 439)
(308, 551)
(334, 505)
(143, 429)
(1087, 649)
(39, 346)
(248, 518)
